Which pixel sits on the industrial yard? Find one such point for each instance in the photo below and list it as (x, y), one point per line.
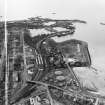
(37, 70)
